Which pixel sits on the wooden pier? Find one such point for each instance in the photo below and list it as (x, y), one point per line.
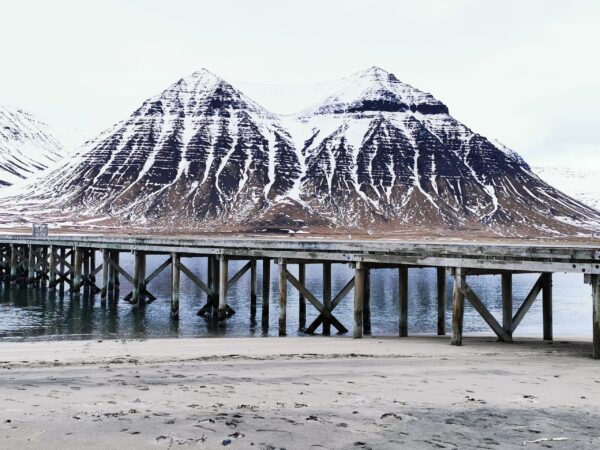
(58, 262)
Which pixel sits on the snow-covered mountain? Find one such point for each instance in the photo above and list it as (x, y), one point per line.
(375, 155)
(28, 145)
(581, 184)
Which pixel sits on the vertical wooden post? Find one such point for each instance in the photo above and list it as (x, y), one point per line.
(139, 274)
(596, 315)
(31, 264)
(507, 301)
(223, 274)
(13, 263)
(61, 267)
(367, 304)
(77, 260)
(301, 299)
(327, 296)
(458, 307)
(403, 299)
(216, 282)
(266, 287)
(44, 267)
(282, 298)
(253, 289)
(105, 275)
(86, 269)
(359, 298)
(547, 306)
(93, 265)
(52, 268)
(441, 298)
(116, 275)
(175, 276)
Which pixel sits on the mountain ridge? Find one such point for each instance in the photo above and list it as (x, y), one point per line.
(376, 155)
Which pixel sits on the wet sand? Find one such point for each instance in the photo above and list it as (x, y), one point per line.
(272, 393)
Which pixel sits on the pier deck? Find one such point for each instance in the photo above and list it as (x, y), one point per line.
(71, 260)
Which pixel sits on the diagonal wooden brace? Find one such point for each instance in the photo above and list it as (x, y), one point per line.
(484, 313)
(336, 301)
(316, 303)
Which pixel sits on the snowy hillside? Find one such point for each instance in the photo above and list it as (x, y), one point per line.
(580, 184)
(28, 145)
(374, 155)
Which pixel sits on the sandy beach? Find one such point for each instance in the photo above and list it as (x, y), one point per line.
(297, 393)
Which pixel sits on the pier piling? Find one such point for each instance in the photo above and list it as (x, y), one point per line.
(458, 307)
(282, 298)
(327, 297)
(441, 301)
(223, 274)
(547, 306)
(596, 315)
(359, 298)
(367, 304)
(403, 300)
(301, 298)
(175, 277)
(266, 288)
(507, 301)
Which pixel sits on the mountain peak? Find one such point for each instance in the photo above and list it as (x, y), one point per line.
(377, 90)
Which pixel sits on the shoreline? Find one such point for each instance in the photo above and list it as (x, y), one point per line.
(296, 393)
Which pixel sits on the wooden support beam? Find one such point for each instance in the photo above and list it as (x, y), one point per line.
(282, 298)
(52, 267)
(326, 313)
(441, 301)
(105, 274)
(301, 298)
(175, 286)
(61, 268)
(120, 270)
(239, 274)
(547, 305)
(359, 298)
(31, 265)
(94, 270)
(77, 260)
(253, 289)
(266, 287)
(197, 281)
(484, 313)
(215, 288)
(13, 263)
(507, 303)
(596, 316)
(403, 300)
(327, 297)
(458, 307)
(336, 301)
(223, 266)
(139, 277)
(535, 290)
(86, 268)
(367, 304)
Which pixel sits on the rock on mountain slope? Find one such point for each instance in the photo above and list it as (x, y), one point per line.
(375, 155)
(28, 145)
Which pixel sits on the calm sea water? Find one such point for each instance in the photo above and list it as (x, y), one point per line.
(28, 313)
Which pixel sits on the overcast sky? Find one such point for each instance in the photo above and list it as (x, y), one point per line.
(524, 72)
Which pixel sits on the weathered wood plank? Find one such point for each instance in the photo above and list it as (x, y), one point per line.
(507, 303)
(458, 307)
(403, 300)
(441, 301)
(484, 313)
(282, 298)
(547, 305)
(359, 298)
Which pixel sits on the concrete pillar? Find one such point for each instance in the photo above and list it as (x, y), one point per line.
(458, 307)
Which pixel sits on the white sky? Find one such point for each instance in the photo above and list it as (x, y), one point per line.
(525, 72)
